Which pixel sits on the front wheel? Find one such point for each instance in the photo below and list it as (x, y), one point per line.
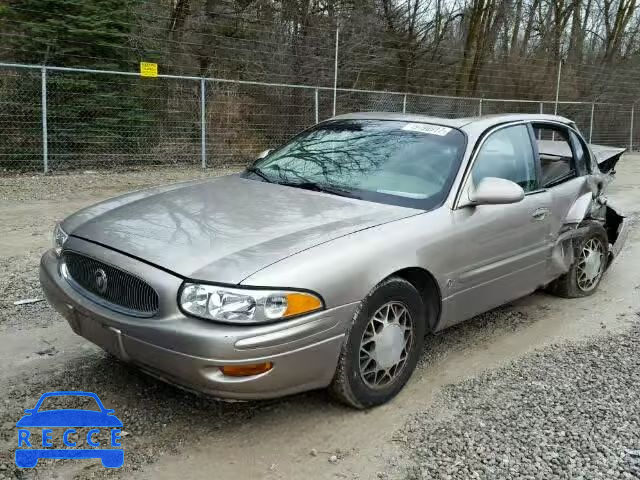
(383, 345)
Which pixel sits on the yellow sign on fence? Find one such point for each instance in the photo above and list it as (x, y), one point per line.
(148, 69)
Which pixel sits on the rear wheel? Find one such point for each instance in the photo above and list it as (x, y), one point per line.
(590, 261)
(382, 346)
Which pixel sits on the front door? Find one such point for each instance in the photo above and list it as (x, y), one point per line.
(503, 249)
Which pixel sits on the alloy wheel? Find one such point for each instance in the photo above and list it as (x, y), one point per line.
(590, 265)
(385, 344)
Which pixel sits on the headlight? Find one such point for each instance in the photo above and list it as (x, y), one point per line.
(59, 237)
(235, 305)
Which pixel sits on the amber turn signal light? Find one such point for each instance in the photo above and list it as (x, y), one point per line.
(246, 370)
(298, 303)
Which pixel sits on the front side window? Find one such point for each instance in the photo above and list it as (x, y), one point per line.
(394, 162)
(507, 153)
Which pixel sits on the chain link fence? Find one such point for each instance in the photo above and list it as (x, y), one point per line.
(242, 119)
(447, 107)
(21, 141)
(55, 119)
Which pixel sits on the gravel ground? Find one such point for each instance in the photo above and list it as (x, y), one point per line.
(20, 282)
(568, 411)
(159, 419)
(152, 427)
(49, 187)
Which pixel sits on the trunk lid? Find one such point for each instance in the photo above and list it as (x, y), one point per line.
(607, 157)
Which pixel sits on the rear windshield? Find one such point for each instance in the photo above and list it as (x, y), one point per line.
(394, 162)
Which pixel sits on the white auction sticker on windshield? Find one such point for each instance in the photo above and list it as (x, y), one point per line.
(427, 128)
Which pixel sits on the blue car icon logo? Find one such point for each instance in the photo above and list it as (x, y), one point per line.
(35, 431)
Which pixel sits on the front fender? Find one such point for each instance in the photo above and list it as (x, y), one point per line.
(346, 269)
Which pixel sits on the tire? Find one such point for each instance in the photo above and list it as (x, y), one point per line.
(354, 384)
(570, 285)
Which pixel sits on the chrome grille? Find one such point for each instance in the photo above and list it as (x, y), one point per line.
(110, 286)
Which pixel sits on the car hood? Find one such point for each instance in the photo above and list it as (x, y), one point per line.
(226, 228)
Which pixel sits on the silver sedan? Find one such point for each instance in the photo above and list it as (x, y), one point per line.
(328, 261)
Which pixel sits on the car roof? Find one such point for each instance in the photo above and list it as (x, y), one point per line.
(483, 122)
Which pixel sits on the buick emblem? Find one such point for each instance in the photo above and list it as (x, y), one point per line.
(101, 280)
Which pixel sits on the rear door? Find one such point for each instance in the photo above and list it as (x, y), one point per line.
(566, 168)
(503, 249)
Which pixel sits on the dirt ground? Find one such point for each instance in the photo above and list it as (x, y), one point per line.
(170, 433)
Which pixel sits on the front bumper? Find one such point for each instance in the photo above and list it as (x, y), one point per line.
(189, 352)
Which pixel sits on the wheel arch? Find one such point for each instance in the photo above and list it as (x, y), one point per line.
(429, 290)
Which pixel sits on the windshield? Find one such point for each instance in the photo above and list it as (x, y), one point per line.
(401, 163)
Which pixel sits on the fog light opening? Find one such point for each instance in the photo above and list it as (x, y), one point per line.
(246, 370)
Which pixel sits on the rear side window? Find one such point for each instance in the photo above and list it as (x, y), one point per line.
(556, 157)
(507, 154)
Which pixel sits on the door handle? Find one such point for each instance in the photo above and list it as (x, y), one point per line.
(540, 213)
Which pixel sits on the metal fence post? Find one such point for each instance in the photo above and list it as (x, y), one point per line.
(541, 112)
(335, 72)
(480, 107)
(404, 103)
(317, 116)
(631, 130)
(45, 140)
(203, 126)
(555, 111)
(593, 105)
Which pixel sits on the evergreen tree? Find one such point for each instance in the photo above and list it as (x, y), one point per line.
(82, 33)
(92, 118)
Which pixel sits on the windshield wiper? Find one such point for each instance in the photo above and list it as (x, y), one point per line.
(319, 187)
(259, 173)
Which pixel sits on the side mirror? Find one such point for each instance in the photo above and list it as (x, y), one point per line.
(264, 154)
(496, 191)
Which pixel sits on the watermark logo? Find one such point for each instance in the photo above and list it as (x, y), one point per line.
(98, 429)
